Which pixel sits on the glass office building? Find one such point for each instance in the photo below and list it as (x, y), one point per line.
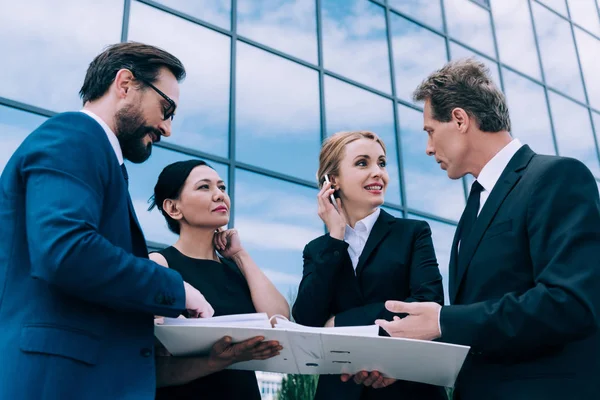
(268, 80)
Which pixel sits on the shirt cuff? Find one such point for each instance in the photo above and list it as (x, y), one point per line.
(439, 320)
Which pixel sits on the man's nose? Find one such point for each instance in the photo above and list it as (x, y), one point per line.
(165, 128)
(429, 149)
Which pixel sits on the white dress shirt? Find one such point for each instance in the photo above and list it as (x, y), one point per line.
(488, 177)
(357, 237)
(491, 172)
(112, 138)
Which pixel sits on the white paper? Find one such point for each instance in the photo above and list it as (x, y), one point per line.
(308, 350)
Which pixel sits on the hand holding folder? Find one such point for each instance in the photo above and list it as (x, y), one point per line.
(307, 350)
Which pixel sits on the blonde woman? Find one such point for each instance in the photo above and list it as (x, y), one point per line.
(366, 258)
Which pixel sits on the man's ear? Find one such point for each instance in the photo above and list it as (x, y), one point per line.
(461, 118)
(123, 82)
(171, 208)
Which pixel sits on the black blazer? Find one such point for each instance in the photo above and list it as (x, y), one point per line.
(527, 287)
(397, 263)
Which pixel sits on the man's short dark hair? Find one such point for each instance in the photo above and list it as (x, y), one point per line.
(465, 84)
(143, 60)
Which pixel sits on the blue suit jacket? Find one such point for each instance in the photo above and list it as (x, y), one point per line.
(77, 292)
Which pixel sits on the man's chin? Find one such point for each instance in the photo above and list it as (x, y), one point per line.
(138, 157)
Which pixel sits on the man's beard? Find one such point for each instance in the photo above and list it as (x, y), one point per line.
(131, 129)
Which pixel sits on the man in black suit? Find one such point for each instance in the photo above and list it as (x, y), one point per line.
(525, 263)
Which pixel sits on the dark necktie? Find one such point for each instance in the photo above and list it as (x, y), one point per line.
(125, 174)
(470, 213)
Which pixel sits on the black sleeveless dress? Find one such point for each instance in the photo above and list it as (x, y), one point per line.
(226, 289)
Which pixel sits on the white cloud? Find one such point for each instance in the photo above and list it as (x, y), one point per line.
(274, 235)
(585, 13)
(560, 67)
(282, 278)
(512, 20)
(50, 45)
(471, 24)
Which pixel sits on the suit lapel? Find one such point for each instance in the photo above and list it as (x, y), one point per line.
(509, 178)
(380, 230)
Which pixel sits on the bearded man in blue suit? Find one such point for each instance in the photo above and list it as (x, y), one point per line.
(77, 291)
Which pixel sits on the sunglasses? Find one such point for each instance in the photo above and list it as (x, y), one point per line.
(169, 111)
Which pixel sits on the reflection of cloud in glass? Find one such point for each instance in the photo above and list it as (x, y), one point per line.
(560, 67)
(442, 235)
(585, 13)
(355, 42)
(457, 51)
(416, 50)
(514, 32)
(286, 25)
(574, 132)
(202, 120)
(557, 5)
(528, 112)
(470, 24)
(276, 220)
(349, 108)
(426, 11)
(48, 46)
(428, 187)
(589, 51)
(143, 177)
(15, 125)
(217, 12)
(277, 113)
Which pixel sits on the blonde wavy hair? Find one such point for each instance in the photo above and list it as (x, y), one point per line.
(332, 151)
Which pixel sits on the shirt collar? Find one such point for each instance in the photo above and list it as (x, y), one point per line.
(112, 138)
(366, 224)
(491, 172)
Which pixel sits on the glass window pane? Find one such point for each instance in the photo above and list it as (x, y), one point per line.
(202, 120)
(528, 112)
(215, 12)
(514, 32)
(457, 51)
(442, 235)
(48, 46)
(15, 125)
(559, 6)
(349, 108)
(355, 42)
(410, 60)
(428, 187)
(275, 233)
(585, 13)
(470, 24)
(426, 11)
(574, 132)
(277, 113)
(589, 52)
(143, 177)
(560, 67)
(286, 25)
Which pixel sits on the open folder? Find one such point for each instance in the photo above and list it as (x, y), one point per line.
(307, 350)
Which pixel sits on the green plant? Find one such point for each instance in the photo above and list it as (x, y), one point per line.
(298, 387)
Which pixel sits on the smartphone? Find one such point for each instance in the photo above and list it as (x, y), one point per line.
(331, 197)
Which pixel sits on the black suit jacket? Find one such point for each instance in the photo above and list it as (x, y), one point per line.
(526, 291)
(397, 263)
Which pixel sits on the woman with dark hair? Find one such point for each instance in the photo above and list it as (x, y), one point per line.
(193, 199)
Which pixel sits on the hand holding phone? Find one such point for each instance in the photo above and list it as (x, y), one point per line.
(331, 197)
